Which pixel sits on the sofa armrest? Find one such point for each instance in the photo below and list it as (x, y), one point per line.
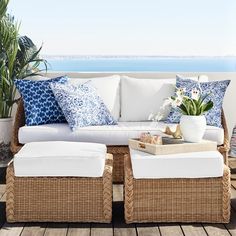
(224, 148)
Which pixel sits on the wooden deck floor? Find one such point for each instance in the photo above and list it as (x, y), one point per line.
(117, 227)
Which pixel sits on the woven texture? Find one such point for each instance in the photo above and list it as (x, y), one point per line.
(59, 199)
(117, 151)
(176, 200)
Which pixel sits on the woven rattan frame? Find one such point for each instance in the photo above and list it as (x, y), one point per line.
(117, 151)
(59, 199)
(176, 200)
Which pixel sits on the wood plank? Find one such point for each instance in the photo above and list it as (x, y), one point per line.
(78, 229)
(3, 210)
(232, 164)
(216, 230)
(117, 192)
(3, 174)
(125, 231)
(193, 230)
(34, 229)
(233, 192)
(118, 213)
(231, 226)
(3, 198)
(101, 230)
(12, 229)
(233, 197)
(2, 189)
(2, 216)
(170, 229)
(147, 230)
(233, 181)
(56, 229)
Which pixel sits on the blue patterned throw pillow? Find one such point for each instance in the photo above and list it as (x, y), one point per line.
(81, 105)
(40, 104)
(216, 89)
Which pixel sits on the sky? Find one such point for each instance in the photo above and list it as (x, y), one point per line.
(129, 27)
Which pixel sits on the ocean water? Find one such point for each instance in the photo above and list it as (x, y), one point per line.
(138, 64)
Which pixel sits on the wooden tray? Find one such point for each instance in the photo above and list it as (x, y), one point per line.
(172, 146)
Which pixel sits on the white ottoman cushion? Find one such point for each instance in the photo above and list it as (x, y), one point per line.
(60, 159)
(183, 165)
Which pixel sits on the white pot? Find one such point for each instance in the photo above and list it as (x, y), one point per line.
(5, 130)
(193, 128)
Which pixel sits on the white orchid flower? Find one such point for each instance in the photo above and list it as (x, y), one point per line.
(180, 92)
(155, 117)
(177, 102)
(195, 93)
(166, 103)
(151, 117)
(159, 116)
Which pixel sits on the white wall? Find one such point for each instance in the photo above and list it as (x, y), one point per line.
(230, 97)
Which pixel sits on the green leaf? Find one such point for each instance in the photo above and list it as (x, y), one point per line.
(183, 109)
(19, 58)
(3, 7)
(206, 107)
(202, 98)
(193, 107)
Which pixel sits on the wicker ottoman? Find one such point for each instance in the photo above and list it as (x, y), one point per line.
(60, 199)
(177, 199)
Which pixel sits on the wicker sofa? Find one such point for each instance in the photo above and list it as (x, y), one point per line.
(115, 146)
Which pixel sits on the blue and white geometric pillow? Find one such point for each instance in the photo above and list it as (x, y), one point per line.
(216, 89)
(40, 104)
(81, 105)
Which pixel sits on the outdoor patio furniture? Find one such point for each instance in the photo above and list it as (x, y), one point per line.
(152, 196)
(114, 136)
(35, 195)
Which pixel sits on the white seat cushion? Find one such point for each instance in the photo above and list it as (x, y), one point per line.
(183, 165)
(109, 90)
(142, 97)
(109, 135)
(60, 159)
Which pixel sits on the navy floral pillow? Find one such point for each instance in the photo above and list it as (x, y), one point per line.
(40, 104)
(216, 89)
(81, 105)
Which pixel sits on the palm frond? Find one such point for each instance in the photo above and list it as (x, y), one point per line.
(3, 7)
(19, 58)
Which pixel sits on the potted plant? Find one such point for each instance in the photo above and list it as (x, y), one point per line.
(19, 58)
(192, 121)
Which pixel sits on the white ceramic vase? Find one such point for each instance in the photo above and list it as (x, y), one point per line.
(193, 128)
(5, 130)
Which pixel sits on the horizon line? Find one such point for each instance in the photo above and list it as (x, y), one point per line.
(137, 56)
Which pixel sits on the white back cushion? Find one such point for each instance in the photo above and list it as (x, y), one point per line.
(108, 89)
(142, 97)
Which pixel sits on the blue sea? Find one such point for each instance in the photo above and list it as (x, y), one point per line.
(138, 64)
